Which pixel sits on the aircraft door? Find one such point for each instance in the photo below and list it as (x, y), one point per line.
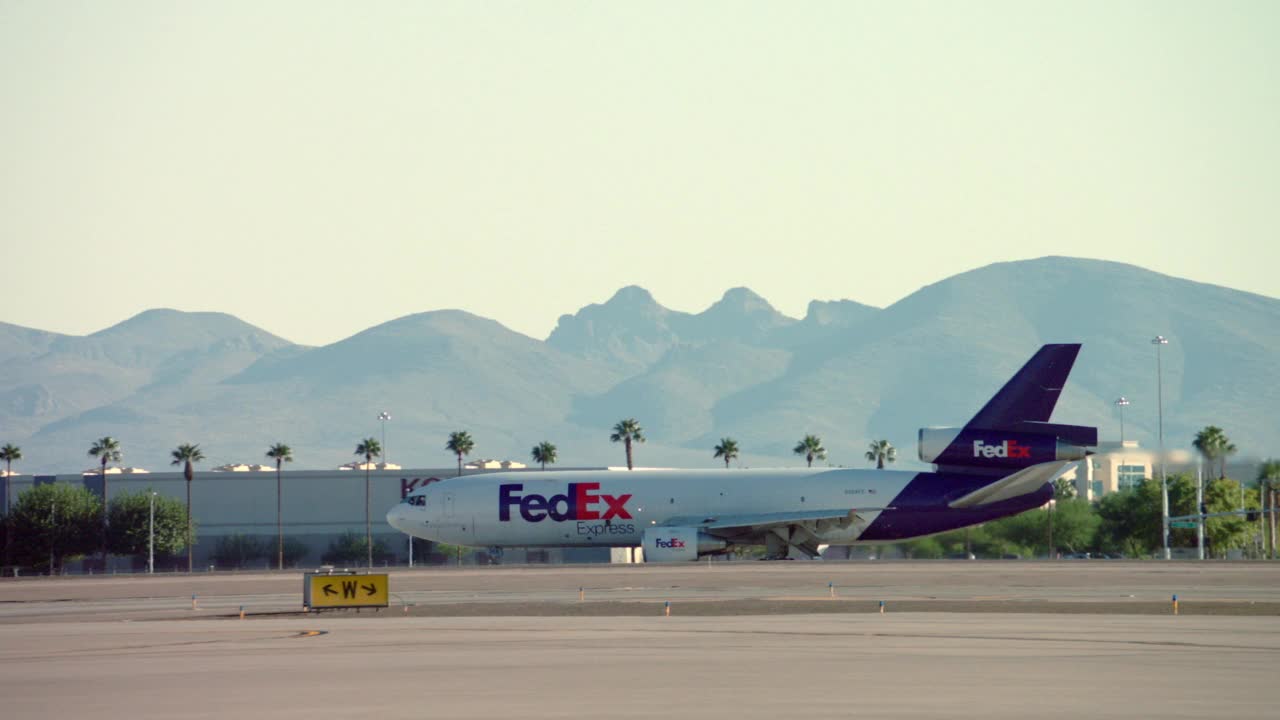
(448, 506)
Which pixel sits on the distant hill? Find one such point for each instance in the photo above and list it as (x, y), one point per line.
(846, 371)
(66, 382)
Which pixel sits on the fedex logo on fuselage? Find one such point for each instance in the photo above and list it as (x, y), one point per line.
(673, 543)
(579, 502)
(1006, 449)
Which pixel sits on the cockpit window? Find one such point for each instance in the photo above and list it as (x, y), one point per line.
(418, 500)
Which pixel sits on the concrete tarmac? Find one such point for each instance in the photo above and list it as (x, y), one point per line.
(905, 665)
(745, 640)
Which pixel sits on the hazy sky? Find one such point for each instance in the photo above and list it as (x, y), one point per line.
(316, 168)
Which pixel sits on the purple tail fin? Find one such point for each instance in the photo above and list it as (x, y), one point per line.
(1012, 431)
(1031, 394)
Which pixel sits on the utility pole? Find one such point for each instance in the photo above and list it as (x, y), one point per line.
(1200, 509)
(53, 532)
(1262, 519)
(151, 541)
(1271, 519)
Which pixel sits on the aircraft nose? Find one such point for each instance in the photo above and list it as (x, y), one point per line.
(395, 517)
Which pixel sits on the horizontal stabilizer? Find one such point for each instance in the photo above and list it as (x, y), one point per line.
(1025, 481)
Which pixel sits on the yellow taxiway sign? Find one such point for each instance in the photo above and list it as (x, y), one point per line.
(345, 591)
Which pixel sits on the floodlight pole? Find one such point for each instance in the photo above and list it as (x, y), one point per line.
(383, 417)
(1122, 402)
(1158, 341)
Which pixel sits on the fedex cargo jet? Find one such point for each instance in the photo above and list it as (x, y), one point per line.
(1002, 462)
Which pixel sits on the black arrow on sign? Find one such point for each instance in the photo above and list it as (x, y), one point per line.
(328, 590)
(370, 589)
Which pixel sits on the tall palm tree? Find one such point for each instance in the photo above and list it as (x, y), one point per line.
(544, 452)
(460, 443)
(106, 449)
(370, 449)
(880, 452)
(1214, 445)
(727, 449)
(281, 453)
(627, 432)
(1227, 451)
(186, 455)
(9, 453)
(811, 447)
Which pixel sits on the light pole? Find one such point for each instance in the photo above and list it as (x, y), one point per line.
(383, 417)
(151, 541)
(1159, 341)
(1122, 402)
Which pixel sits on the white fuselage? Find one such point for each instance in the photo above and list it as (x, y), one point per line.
(613, 508)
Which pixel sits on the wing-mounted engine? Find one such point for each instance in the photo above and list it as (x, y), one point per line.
(978, 449)
(679, 544)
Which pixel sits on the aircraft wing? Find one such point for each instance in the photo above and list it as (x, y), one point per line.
(765, 521)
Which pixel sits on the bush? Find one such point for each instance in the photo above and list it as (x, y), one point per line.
(294, 551)
(238, 551)
(350, 548)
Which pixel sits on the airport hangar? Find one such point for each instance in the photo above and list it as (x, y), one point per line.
(318, 506)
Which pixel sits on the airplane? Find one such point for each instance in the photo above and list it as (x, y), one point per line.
(1002, 462)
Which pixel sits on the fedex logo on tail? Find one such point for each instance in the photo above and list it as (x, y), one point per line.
(673, 543)
(578, 502)
(1006, 449)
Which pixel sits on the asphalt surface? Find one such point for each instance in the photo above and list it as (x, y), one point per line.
(720, 588)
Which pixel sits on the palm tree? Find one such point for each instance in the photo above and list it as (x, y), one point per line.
(186, 455)
(1212, 443)
(9, 453)
(627, 432)
(106, 449)
(811, 447)
(544, 452)
(370, 449)
(281, 453)
(727, 449)
(460, 443)
(880, 452)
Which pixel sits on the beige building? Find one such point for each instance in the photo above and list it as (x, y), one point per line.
(1119, 466)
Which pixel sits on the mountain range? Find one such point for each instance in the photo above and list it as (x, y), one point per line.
(847, 372)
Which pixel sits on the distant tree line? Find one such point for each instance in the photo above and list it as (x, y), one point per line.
(1121, 524)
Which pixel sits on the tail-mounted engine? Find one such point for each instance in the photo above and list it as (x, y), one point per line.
(998, 449)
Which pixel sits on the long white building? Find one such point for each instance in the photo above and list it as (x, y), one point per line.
(318, 506)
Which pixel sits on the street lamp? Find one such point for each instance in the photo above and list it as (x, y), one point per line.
(151, 542)
(1159, 341)
(383, 417)
(1121, 402)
